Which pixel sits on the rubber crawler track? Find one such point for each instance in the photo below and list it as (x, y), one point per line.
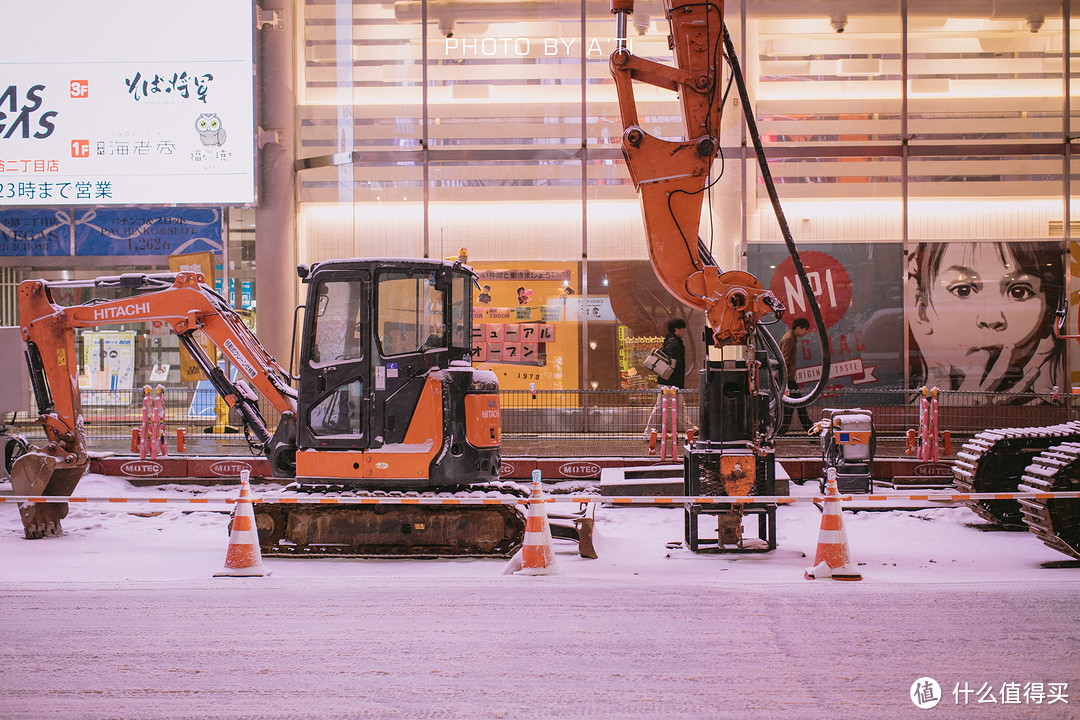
(1055, 522)
(995, 461)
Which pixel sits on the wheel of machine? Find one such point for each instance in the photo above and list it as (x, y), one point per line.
(1055, 521)
(270, 521)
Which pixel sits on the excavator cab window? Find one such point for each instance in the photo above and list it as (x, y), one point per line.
(459, 310)
(339, 322)
(411, 313)
(338, 413)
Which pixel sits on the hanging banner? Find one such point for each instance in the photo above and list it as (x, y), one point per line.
(109, 231)
(135, 231)
(35, 233)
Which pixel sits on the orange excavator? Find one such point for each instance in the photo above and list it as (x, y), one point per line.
(742, 400)
(386, 399)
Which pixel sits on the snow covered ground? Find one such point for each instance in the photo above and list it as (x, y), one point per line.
(105, 544)
(122, 618)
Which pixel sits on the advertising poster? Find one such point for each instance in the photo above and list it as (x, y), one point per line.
(525, 324)
(108, 367)
(859, 289)
(981, 319)
(95, 110)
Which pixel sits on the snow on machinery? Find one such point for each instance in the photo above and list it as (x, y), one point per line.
(387, 399)
(742, 397)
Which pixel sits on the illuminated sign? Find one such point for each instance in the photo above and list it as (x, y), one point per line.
(127, 103)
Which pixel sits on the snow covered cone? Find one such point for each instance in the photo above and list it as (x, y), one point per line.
(537, 556)
(833, 559)
(243, 558)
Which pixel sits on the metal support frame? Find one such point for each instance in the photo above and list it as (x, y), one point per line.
(766, 528)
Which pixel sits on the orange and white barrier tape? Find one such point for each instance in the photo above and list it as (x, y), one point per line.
(578, 499)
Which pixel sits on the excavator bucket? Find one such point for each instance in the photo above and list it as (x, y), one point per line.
(38, 473)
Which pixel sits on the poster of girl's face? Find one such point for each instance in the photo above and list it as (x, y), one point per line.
(981, 317)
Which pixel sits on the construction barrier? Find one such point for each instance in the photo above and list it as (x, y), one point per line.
(833, 557)
(537, 554)
(578, 499)
(243, 558)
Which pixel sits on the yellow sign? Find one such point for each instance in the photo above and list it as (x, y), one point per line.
(525, 324)
(202, 262)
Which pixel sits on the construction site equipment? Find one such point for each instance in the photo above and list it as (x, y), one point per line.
(387, 399)
(537, 554)
(832, 559)
(994, 461)
(1038, 459)
(741, 397)
(848, 444)
(243, 558)
(13, 398)
(1054, 521)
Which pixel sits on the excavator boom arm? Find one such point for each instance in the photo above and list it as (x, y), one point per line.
(671, 176)
(186, 305)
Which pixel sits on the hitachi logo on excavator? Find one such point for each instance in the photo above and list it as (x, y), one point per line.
(122, 311)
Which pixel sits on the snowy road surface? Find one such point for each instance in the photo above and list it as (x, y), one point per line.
(121, 618)
(528, 648)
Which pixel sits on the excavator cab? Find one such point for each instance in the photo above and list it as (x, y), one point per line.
(388, 396)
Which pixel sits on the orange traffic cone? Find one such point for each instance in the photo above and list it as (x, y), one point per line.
(243, 558)
(536, 556)
(833, 559)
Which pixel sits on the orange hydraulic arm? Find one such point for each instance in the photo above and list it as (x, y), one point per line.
(180, 300)
(671, 176)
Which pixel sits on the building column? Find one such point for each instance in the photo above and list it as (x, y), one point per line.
(276, 285)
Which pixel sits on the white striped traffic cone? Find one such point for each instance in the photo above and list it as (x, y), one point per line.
(537, 555)
(243, 558)
(833, 558)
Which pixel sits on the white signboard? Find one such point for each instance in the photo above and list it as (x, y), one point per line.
(127, 102)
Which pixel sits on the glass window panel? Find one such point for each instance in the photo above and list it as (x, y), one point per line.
(826, 89)
(411, 313)
(338, 321)
(339, 413)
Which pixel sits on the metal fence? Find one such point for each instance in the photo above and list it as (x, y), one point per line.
(570, 413)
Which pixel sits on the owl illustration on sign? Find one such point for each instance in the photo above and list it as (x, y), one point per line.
(210, 130)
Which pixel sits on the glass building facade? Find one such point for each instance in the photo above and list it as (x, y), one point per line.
(922, 153)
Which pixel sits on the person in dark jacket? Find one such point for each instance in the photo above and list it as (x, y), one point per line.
(788, 343)
(675, 349)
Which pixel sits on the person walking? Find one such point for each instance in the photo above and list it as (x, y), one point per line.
(674, 348)
(800, 326)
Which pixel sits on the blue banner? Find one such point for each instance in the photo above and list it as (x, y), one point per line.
(110, 231)
(37, 233)
(157, 231)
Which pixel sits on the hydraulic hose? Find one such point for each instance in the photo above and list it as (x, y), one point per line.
(766, 176)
